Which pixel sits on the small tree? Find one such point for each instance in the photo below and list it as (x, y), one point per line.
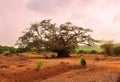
(1, 50)
(61, 39)
(108, 48)
(117, 50)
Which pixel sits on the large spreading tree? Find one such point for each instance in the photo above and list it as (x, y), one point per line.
(61, 39)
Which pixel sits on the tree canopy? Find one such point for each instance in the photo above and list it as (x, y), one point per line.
(61, 39)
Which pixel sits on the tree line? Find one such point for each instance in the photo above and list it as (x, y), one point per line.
(108, 49)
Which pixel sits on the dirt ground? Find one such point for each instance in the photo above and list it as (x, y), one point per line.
(23, 69)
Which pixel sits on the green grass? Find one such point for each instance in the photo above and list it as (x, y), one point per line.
(89, 48)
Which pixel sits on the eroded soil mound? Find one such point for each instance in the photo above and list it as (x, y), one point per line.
(37, 75)
(63, 72)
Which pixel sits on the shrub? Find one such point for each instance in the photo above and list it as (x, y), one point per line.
(83, 62)
(93, 52)
(1, 51)
(40, 64)
(20, 50)
(117, 50)
(103, 53)
(88, 52)
(108, 48)
(12, 49)
(81, 52)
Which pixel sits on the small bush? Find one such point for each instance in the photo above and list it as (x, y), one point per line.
(12, 49)
(117, 50)
(108, 48)
(20, 50)
(93, 52)
(83, 62)
(103, 53)
(80, 52)
(40, 64)
(1, 51)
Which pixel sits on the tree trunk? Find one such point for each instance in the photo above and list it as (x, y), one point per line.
(62, 53)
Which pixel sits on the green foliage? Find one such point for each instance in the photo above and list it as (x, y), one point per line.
(40, 64)
(88, 52)
(108, 48)
(20, 50)
(83, 62)
(117, 50)
(81, 52)
(12, 49)
(94, 52)
(43, 50)
(95, 49)
(1, 50)
(8, 49)
(89, 48)
(61, 39)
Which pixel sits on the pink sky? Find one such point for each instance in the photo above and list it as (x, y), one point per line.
(102, 16)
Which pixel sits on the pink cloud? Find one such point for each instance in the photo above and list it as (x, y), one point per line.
(45, 6)
(116, 19)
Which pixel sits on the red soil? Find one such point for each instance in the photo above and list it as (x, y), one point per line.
(23, 69)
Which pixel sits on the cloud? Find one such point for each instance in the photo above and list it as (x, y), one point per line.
(45, 6)
(116, 19)
(10, 6)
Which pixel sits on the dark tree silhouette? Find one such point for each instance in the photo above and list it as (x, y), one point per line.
(108, 47)
(61, 39)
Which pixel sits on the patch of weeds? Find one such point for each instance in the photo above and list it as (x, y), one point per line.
(83, 62)
(40, 64)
